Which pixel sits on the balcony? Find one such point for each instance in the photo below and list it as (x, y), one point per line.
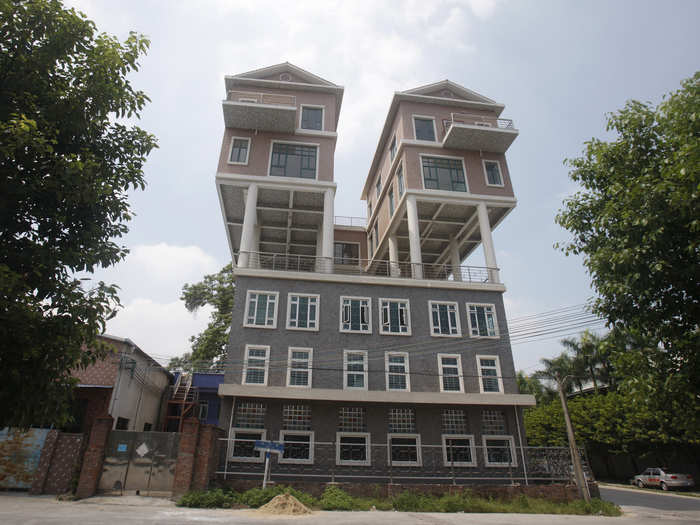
(478, 132)
(355, 222)
(260, 111)
(374, 268)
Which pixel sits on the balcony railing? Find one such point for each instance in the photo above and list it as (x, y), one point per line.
(341, 220)
(376, 268)
(269, 99)
(477, 120)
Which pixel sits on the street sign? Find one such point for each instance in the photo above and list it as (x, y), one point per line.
(269, 446)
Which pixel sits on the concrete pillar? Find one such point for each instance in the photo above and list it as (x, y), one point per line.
(255, 261)
(487, 242)
(414, 237)
(249, 221)
(328, 218)
(455, 261)
(319, 249)
(394, 268)
(94, 457)
(184, 468)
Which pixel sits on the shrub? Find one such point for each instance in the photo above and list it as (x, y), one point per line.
(335, 498)
(414, 502)
(209, 499)
(258, 497)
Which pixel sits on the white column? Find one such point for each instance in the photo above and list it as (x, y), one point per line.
(249, 221)
(394, 269)
(414, 236)
(327, 246)
(455, 261)
(487, 242)
(255, 261)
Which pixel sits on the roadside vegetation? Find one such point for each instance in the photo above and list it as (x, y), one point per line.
(335, 498)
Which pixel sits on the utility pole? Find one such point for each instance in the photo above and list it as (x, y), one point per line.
(575, 457)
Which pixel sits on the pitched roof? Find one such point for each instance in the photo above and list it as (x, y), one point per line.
(285, 67)
(448, 89)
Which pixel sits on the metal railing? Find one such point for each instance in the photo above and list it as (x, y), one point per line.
(341, 220)
(477, 120)
(377, 268)
(270, 99)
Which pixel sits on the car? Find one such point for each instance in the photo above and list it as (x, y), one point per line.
(663, 478)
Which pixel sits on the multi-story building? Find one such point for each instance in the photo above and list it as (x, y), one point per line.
(365, 345)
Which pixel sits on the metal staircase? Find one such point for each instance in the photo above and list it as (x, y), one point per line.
(181, 404)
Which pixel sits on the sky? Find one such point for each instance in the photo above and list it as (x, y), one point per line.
(558, 66)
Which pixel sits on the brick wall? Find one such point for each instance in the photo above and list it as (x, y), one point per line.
(103, 372)
(59, 464)
(94, 457)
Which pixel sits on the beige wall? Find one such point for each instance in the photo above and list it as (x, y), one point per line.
(360, 237)
(441, 113)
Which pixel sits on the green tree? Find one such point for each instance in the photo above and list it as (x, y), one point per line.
(66, 165)
(587, 358)
(636, 222)
(215, 290)
(532, 385)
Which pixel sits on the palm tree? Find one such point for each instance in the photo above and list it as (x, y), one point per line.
(586, 357)
(558, 369)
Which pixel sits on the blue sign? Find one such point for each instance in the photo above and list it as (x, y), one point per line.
(269, 446)
(121, 447)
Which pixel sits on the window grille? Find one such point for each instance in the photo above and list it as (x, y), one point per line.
(296, 417)
(249, 414)
(493, 422)
(351, 419)
(402, 420)
(454, 421)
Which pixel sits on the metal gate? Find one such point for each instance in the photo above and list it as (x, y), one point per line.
(19, 456)
(143, 461)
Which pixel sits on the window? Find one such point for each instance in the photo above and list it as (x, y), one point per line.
(444, 319)
(493, 422)
(293, 160)
(296, 417)
(371, 244)
(397, 374)
(203, 410)
(299, 367)
(424, 128)
(402, 420)
(352, 448)
(355, 314)
(492, 169)
(450, 369)
(482, 320)
(355, 367)
(352, 419)
(147, 427)
(249, 414)
(298, 447)
(392, 148)
(458, 450)
(489, 374)
(255, 365)
(391, 203)
(346, 253)
(441, 173)
(122, 424)
(378, 186)
(240, 146)
(369, 209)
(311, 118)
(404, 450)
(376, 233)
(399, 179)
(243, 448)
(454, 421)
(262, 309)
(499, 451)
(302, 311)
(396, 317)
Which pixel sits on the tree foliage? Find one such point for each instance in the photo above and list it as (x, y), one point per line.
(66, 164)
(215, 290)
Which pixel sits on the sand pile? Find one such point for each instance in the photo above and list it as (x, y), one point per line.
(285, 504)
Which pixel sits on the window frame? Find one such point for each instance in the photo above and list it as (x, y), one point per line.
(472, 450)
(513, 456)
(457, 319)
(292, 349)
(312, 106)
(294, 461)
(245, 364)
(400, 180)
(247, 154)
(369, 314)
(205, 405)
(359, 252)
(393, 149)
(460, 373)
(368, 449)
(495, 320)
(499, 374)
(289, 310)
(407, 303)
(365, 365)
(400, 435)
(424, 117)
(407, 372)
(294, 143)
(431, 155)
(392, 204)
(246, 459)
(500, 173)
(246, 324)
(378, 186)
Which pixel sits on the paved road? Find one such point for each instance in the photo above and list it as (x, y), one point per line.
(644, 498)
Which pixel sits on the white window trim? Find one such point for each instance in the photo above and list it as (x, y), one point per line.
(460, 373)
(500, 173)
(498, 372)
(310, 461)
(495, 321)
(424, 117)
(432, 326)
(247, 154)
(263, 434)
(408, 372)
(345, 369)
(368, 449)
(289, 365)
(408, 315)
(369, 314)
(289, 309)
(245, 364)
(323, 116)
(419, 455)
(247, 303)
(296, 143)
(513, 456)
(472, 448)
(422, 176)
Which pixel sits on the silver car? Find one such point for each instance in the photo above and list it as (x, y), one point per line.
(663, 478)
